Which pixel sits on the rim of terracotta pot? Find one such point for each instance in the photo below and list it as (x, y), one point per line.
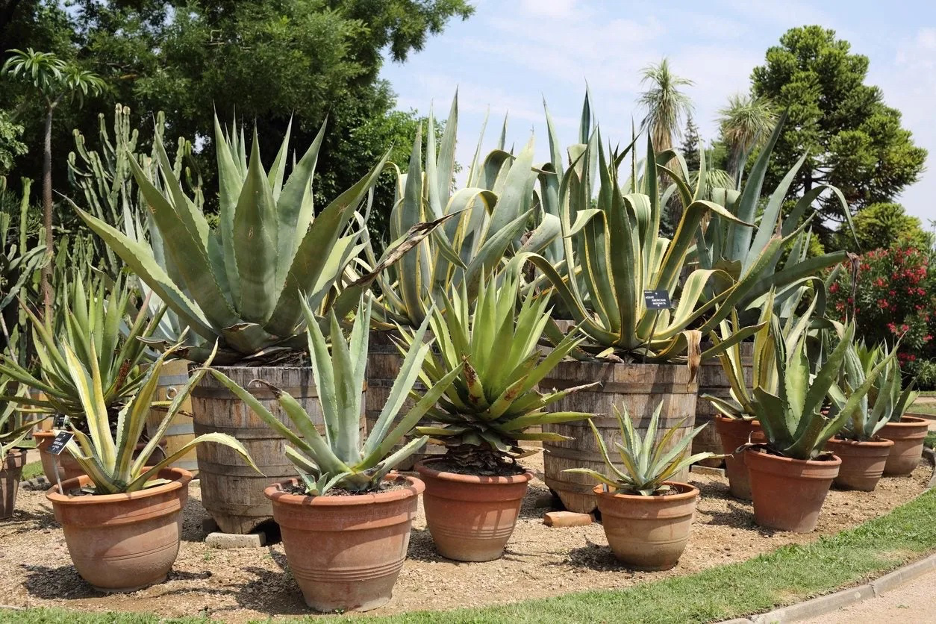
(909, 420)
(833, 461)
(10, 460)
(179, 479)
(423, 468)
(750, 421)
(275, 493)
(879, 442)
(686, 492)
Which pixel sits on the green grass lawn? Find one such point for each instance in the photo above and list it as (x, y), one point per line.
(32, 470)
(923, 408)
(928, 393)
(785, 576)
(930, 440)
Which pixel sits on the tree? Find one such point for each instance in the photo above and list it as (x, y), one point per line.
(690, 144)
(10, 145)
(666, 105)
(852, 139)
(745, 124)
(55, 81)
(885, 226)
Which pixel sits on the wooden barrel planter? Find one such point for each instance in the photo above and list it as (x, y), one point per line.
(714, 381)
(172, 379)
(639, 387)
(383, 365)
(232, 492)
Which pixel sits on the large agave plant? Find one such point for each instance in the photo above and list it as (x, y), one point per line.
(489, 218)
(647, 464)
(613, 253)
(243, 283)
(98, 325)
(484, 415)
(338, 459)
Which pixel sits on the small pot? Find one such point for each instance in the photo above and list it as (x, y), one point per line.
(734, 432)
(648, 532)
(68, 466)
(788, 493)
(346, 552)
(123, 542)
(11, 470)
(862, 462)
(471, 518)
(908, 436)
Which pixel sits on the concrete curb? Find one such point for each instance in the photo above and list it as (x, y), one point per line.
(832, 602)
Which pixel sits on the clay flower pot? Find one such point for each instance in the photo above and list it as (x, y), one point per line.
(471, 518)
(908, 435)
(122, 542)
(11, 469)
(862, 462)
(68, 466)
(734, 432)
(788, 493)
(648, 532)
(346, 552)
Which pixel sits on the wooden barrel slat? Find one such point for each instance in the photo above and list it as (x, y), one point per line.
(712, 380)
(172, 379)
(232, 492)
(639, 387)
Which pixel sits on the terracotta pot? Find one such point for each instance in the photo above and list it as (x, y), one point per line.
(908, 436)
(788, 493)
(68, 466)
(471, 518)
(122, 542)
(11, 470)
(346, 552)
(648, 532)
(734, 432)
(862, 462)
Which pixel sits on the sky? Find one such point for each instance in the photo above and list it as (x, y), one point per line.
(513, 54)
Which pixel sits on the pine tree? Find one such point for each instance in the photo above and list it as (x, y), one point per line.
(690, 145)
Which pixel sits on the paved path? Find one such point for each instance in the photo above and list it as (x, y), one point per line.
(913, 603)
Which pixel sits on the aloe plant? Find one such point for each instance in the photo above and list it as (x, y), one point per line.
(112, 462)
(489, 217)
(98, 325)
(604, 291)
(483, 416)
(647, 463)
(339, 459)
(13, 426)
(243, 283)
(886, 400)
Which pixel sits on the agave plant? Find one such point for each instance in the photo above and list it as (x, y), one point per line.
(97, 325)
(489, 218)
(727, 244)
(112, 462)
(483, 416)
(604, 291)
(793, 389)
(338, 459)
(243, 283)
(13, 426)
(647, 464)
(886, 400)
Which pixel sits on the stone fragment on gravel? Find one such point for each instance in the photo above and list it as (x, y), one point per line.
(234, 540)
(562, 519)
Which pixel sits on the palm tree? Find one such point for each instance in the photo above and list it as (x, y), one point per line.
(666, 105)
(745, 124)
(55, 81)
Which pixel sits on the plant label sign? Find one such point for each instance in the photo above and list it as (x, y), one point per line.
(657, 300)
(58, 444)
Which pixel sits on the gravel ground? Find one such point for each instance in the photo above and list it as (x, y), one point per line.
(241, 585)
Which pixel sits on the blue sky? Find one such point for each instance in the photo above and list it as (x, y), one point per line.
(513, 53)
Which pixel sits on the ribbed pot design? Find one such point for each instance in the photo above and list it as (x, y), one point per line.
(732, 433)
(11, 470)
(639, 387)
(648, 532)
(788, 493)
(122, 542)
(346, 552)
(471, 518)
(908, 436)
(713, 380)
(232, 491)
(68, 467)
(862, 462)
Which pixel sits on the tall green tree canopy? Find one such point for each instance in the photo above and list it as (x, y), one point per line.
(885, 226)
(854, 140)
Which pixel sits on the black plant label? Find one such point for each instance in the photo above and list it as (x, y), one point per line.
(657, 300)
(58, 444)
